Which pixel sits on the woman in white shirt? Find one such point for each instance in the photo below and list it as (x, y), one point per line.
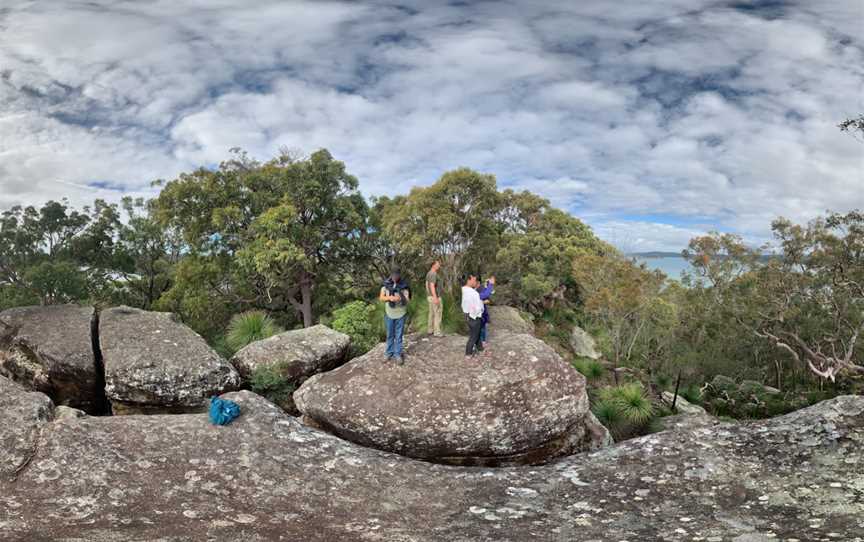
(472, 306)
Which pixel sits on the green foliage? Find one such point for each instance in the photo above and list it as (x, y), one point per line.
(248, 327)
(591, 369)
(452, 317)
(357, 320)
(625, 410)
(271, 382)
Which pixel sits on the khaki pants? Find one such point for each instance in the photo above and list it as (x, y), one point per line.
(433, 324)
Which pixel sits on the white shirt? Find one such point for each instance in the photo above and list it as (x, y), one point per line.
(471, 304)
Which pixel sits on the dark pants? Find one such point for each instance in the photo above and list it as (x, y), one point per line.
(475, 325)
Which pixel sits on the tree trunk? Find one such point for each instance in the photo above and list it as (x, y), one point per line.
(306, 300)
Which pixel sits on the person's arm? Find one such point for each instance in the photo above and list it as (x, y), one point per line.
(434, 291)
(382, 296)
(486, 292)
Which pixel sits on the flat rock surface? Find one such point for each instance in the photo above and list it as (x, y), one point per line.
(22, 413)
(153, 363)
(522, 404)
(300, 353)
(50, 349)
(267, 477)
(507, 320)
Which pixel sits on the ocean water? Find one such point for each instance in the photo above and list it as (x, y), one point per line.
(671, 265)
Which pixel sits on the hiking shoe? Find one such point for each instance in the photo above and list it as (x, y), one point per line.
(399, 360)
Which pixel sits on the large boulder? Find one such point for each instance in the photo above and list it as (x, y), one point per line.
(682, 405)
(582, 344)
(22, 412)
(521, 405)
(267, 477)
(299, 353)
(504, 320)
(155, 364)
(50, 349)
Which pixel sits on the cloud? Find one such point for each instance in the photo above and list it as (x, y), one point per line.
(697, 114)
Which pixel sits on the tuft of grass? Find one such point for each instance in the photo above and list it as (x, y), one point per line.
(591, 369)
(248, 327)
(625, 410)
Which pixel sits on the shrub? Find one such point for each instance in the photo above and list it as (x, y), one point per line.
(591, 369)
(270, 382)
(248, 327)
(357, 320)
(625, 410)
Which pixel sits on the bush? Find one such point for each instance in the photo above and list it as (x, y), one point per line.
(270, 382)
(625, 410)
(248, 327)
(591, 369)
(357, 320)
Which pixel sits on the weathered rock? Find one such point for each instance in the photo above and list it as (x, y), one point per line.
(155, 364)
(504, 320)
(267, 477)
(22, 412)
(682, 405)
(583, 344)
(299, 353)
(521, 405)
(67, 413)
(50, 349)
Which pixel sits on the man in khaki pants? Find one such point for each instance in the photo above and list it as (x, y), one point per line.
(433, 295)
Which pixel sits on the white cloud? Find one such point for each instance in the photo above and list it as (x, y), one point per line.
(680, 109)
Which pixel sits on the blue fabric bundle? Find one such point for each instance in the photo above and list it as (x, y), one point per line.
(223, 411)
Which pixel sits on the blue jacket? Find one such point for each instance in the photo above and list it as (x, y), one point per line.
(486, 293)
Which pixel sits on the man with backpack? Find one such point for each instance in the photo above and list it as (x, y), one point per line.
(395, 294)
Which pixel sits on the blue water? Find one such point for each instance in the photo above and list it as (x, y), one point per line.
(671, 266)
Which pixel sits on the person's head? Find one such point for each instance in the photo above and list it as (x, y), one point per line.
(395, 273)
(470, 280)
(436, 265)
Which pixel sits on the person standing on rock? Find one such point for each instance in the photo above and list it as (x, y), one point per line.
(433, 296)
(485, 293)
(473, 307)
(395, 295)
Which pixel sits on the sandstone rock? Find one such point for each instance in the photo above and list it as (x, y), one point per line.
(22, 412)
(300, 353)
(267, 477)
(67, 413)
(155, 364)
(682, 405)
(522, 405)
(583, 344)
(507, 320)
(50, 349)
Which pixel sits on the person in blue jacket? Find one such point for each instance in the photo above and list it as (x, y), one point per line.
(486, 292)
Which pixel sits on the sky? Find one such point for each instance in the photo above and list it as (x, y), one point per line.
(653, 122)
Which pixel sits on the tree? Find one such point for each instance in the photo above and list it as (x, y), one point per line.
(454, 221)
(623, 297)
(810, 302)
(536, 256)
(274, 231)
(55, 254)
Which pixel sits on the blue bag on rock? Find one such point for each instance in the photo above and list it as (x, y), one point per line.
(223, 411)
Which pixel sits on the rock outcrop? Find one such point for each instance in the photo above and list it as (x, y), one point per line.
(297, 354)
(583, 344)
(682, 405)
(22, 413)
(50, 349)
(155, 364)
(267, 477)
(521, 405)
(504, 320)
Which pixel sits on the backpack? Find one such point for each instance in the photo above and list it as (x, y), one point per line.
(223, 411)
